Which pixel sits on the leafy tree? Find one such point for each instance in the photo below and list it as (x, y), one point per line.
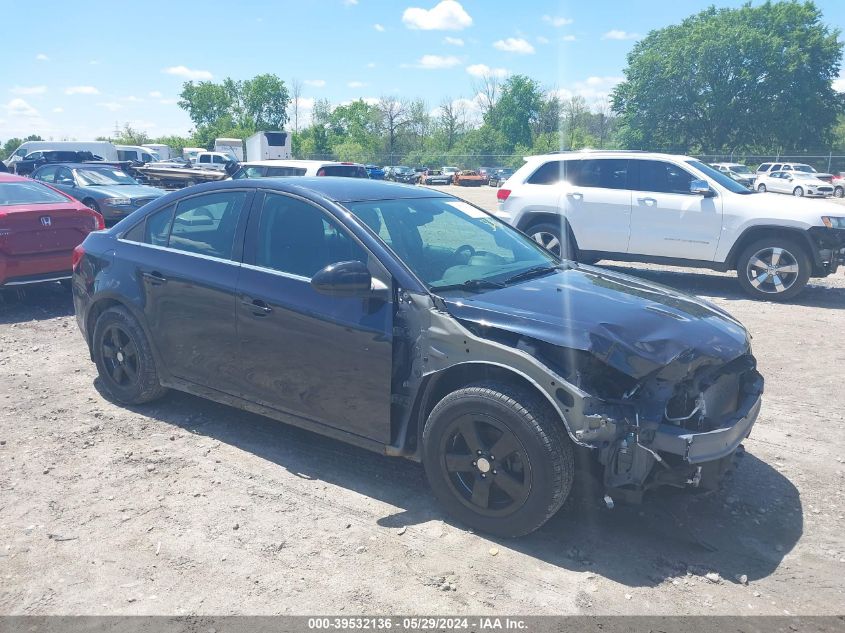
(14, 143)
(517, 110)
(755, 76)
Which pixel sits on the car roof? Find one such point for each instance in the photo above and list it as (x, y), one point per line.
(607, 153)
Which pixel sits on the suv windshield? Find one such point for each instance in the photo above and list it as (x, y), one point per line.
(804, 168)
(723, 179)
(103, 176)
(449, 243)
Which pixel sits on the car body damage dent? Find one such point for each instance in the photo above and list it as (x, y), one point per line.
(662, 387)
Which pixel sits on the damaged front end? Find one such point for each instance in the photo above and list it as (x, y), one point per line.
(661, 387)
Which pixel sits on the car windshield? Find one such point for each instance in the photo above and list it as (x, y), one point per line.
(103, 176)
(804, 176)
(27, 193)
(723, 179)
(403, 170)
(804, 168)
(450, 244)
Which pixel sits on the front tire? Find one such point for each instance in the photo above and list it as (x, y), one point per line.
(798, 192)
(839, 192)
(498, 458)
(773, 269)
(92, 204)
(124, 358)
(761, 188)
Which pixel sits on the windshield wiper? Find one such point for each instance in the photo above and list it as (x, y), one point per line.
(470, 284)
(536, 271)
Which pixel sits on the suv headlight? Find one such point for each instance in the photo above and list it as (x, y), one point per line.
(833, 222)
(118, 202)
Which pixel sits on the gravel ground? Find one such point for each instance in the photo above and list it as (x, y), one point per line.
(187, 507)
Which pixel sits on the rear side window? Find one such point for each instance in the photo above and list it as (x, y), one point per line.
(249, 172)
(47, 174)
(27, 193)
(549, 173)
(764, 167)
(662, 177)
(157, 227)
(777, 167)
(285, 171)
(297, 238)
(604, 173)
(344, 171)
(207, 224)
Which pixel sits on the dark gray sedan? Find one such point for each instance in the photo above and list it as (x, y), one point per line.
(104, 188)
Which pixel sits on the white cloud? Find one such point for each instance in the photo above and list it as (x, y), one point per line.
(20, 108)
(41, 57)
(58, 110)
(112, 106)
(155, 94)
(28, 90)
(568, 38)
(616, 34)
(593, 88)
(187, 73)
(447, 15)
(436, 62)
(379, 28)
(839, 84)
(371, 65)
(94, 62)
(514, 45)
(168, 102)
(350, 3)
(481, 70)
(356, 84)
(132, 99)
(454, 41)
(557, 21)
(542, 40)
(315, 83)
(82, 90)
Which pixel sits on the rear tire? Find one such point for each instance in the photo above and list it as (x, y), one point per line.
(773, 269)
(548, 236)
(798, 192)
(509, 494)
(839, 192)
(761, 188)
(124, 358)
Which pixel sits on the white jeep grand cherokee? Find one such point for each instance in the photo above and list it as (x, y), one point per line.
(667, 209)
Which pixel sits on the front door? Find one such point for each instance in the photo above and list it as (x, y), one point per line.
(327, 359)
(669, 221)
(187, 258)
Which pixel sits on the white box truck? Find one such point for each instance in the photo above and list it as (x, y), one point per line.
(268, 146)
(103, 149)
(232, 146)
(164, 151)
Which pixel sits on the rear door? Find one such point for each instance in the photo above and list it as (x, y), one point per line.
(187, 257)
(597, 202)
(323, 358)
(669, 221)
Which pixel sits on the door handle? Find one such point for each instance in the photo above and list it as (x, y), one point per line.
(576, 195)
(257, 306)
(647, 201)
(155, 278)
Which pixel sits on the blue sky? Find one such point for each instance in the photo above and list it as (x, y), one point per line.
(76, 71)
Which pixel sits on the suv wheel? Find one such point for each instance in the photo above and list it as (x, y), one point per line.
(761, 188)
(839, 191)
(124, 358)
(775, 269)
(498, 458)
(548, 236)
(798, 192)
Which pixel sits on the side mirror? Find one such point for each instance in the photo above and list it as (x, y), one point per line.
(701, 188)
(343, 279)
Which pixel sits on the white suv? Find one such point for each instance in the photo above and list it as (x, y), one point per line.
(644, 207)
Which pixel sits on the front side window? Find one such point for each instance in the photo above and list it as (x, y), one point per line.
(21, 152)
(205, 158)
(285, 171)
(604, 173)
(296, 237)
(207, 224)
(251, 171)
(47, 174)
(157, 226)
(776, 167)
(447, 242)
(64, 176)
(661, 177)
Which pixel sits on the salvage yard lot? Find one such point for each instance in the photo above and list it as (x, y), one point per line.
(186, 506)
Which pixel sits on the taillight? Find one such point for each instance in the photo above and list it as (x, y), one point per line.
(78, 254)
(99, 222)
(502, 194)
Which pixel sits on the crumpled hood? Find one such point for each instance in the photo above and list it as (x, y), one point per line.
(126, 191)
(634, 326)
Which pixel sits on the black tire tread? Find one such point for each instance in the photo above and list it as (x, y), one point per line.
(804, 262)
(543, 423)
(149, 385)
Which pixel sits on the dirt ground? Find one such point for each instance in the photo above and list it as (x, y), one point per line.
(188, 507)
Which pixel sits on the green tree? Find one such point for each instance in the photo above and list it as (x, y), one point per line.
(14, 143)
(755, 76)
(517, 110)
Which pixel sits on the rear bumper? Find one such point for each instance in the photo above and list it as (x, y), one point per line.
(36, 268)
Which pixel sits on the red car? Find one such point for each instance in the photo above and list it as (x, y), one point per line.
(39, 228)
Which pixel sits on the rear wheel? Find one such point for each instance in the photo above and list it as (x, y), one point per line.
(553, 239)
(774, 269)
(798, 192)
(839, 191)
(497, 457)
(761, 188)
(124, 359)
